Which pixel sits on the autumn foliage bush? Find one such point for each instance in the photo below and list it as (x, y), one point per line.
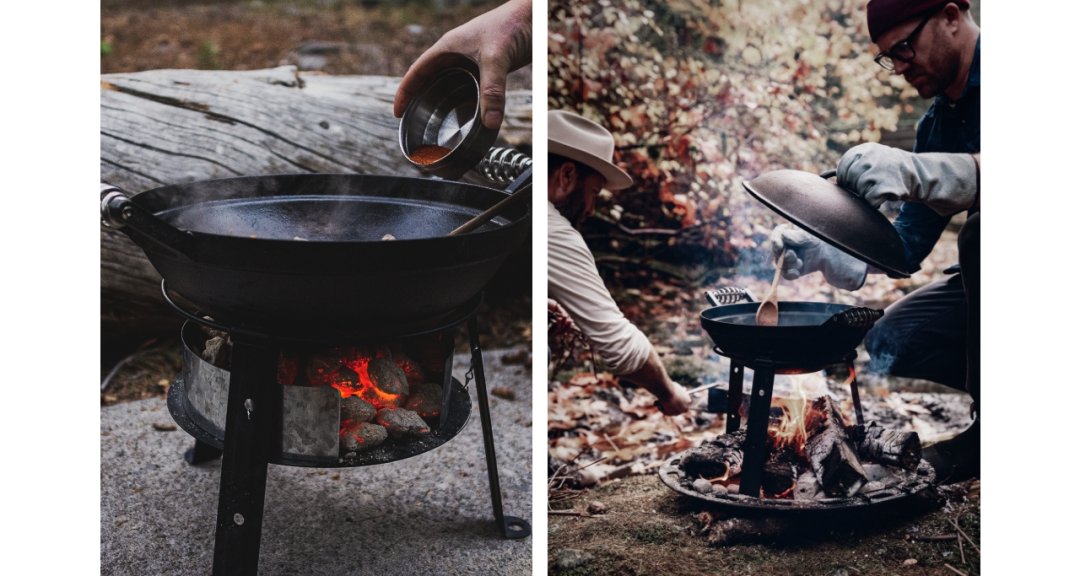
(703, 94)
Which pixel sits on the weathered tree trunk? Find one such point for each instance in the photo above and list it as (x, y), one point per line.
(831, 454)
(174, 126)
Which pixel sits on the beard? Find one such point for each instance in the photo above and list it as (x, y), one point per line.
(573, 207)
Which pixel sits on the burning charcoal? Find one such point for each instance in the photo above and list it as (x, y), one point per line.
(387, 377)
(356, 409)
(880, 444)
(831, 455)
(218, 351)
(426, 400)
(322, 369)
(414, 373)
(721, 457)
(287, 369)
(399, 422)
(704, 486)
(362, 436)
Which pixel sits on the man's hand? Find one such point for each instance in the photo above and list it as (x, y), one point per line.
(676, 403)
(499, 41)
(804, 253)
(947, 183)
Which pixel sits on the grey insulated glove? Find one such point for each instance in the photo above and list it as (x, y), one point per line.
(947, 183)
(804, 254)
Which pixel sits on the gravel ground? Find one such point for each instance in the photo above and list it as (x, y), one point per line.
(430, 514)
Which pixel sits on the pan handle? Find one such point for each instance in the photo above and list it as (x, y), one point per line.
(828, 174)
(518, 191)
(119, 212)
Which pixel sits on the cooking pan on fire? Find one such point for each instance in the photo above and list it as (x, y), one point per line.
(809, 335)
(326, 252)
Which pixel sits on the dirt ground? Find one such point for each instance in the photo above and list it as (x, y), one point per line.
(646, 528)
(336, 37)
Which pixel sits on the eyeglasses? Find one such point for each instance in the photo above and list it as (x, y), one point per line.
(902, 51)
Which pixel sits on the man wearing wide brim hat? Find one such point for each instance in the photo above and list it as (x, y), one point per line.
(932, 333)
(580, 154)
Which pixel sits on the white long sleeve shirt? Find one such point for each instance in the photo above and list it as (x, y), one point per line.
(575, 284)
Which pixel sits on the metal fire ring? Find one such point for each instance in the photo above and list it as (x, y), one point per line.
(739, 504)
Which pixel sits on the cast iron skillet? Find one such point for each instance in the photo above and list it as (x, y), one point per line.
(808, 337)
(305, 252)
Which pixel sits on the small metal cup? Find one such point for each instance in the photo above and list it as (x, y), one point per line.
(447, 114)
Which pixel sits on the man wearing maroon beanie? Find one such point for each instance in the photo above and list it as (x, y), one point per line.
(933, 333)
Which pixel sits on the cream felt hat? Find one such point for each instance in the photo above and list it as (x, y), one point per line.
(582, 140)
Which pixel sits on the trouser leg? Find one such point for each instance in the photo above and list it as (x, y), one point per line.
(924, 335)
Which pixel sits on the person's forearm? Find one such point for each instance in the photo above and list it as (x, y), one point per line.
(652, 376)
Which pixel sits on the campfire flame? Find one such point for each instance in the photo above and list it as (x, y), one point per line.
(791, 430)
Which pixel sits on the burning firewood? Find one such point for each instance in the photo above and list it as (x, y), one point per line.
(426, 400)
(779, 477)
(831, 454)
(722, 457)
(357, 409)
(880, 444)
(359, 436)
(400, 422)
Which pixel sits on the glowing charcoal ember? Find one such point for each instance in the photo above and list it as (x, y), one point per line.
(360, 436)
(356, 409)
(400, 422)
(322, 369)
(387, 377)
(287, 370)
(426, 400)
(414, 373)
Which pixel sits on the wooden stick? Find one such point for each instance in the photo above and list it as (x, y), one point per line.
(966, 537)
(937, 538)
(569, 513)
(960, 572)
(960, 544)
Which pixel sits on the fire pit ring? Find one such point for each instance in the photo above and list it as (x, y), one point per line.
(914, 483)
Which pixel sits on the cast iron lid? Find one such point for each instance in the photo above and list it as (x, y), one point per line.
(833, 214)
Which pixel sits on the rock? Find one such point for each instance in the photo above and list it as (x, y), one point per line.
(910, 562)
(426, 400)
(399, 422)
(504, 393)
(357, 409)
(362, 436)
(588, 477)
(596, 507)
(704, 486)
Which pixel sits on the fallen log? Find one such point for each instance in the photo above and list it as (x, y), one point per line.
(164, 127)
(832, 456)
